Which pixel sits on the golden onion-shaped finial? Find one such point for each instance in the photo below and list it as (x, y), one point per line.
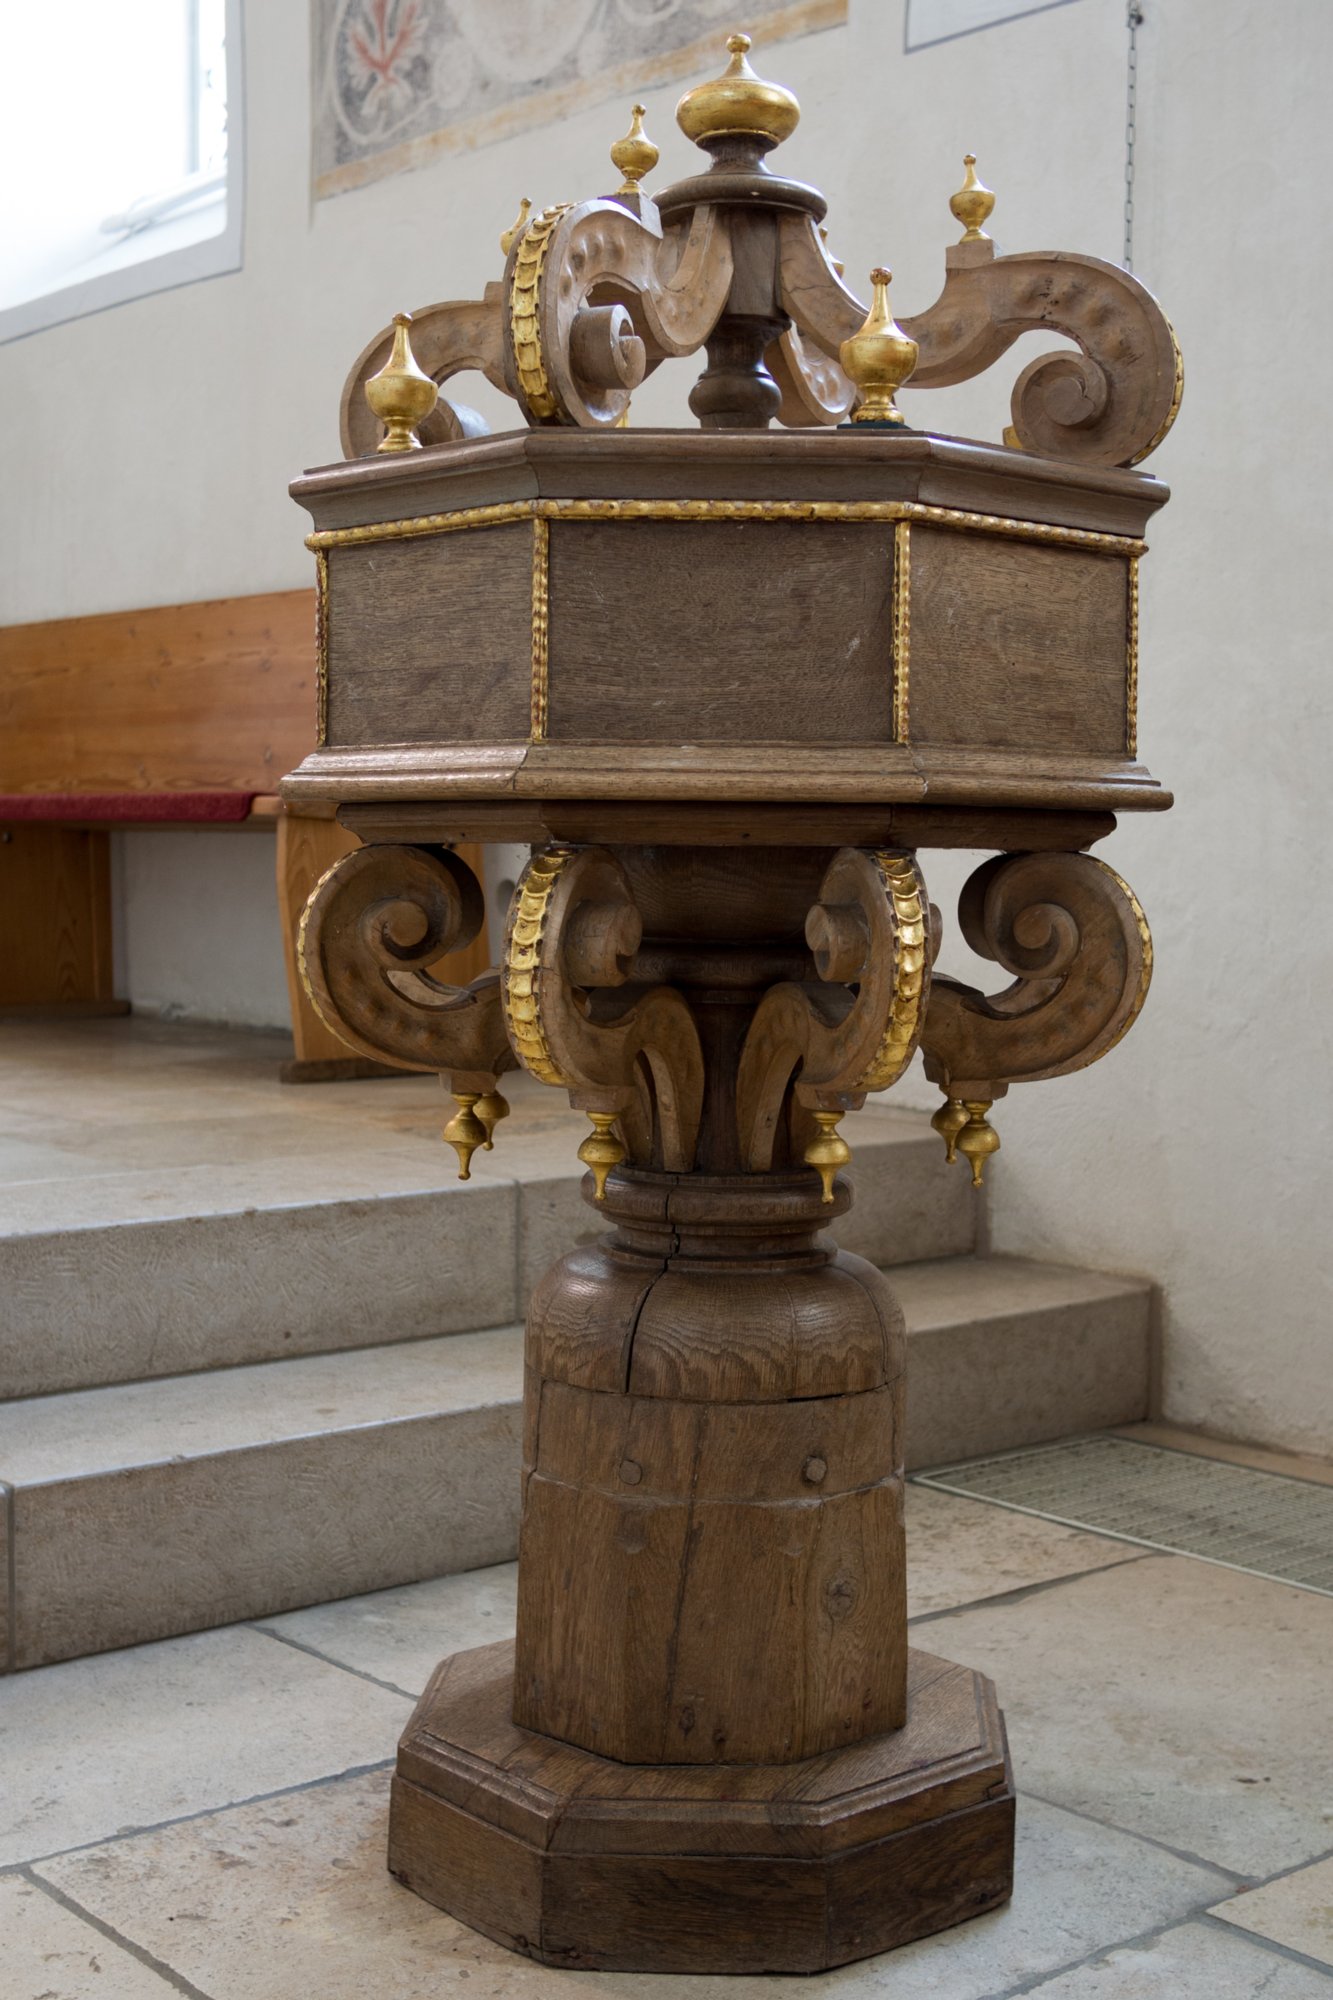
(465, 1131)
(635, 155)
(972, 204)
(738, 102)
(518, 224)
(879, 357)
(828, 1151)
(601, 1150)
(978, 1138)
(401, 395)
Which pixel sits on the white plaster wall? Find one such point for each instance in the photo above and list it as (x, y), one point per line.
(1196, 1154)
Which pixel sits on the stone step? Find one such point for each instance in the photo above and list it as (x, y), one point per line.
(259, 1253)
(141, 1510)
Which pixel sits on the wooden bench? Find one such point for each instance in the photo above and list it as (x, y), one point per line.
(183, 716)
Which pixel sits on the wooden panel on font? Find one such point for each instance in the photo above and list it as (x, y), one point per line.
(721, 631)
(1017, 647)
(430, 639)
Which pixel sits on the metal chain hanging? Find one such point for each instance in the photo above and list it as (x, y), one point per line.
(1134, 20)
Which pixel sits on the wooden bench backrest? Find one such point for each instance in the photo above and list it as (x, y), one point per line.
(218, 696)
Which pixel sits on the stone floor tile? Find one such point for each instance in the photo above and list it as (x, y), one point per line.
(1170, 1697)
(1192, 1962)
(959, 1551)
(94, 1747)
(1296, 1911)
(48, 1953)
(290, 1896)
(400, 1636)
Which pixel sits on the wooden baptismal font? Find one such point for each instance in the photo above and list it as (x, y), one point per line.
(728, 683)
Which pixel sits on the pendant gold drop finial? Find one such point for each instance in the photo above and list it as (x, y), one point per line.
(972, 204)
(738, 102)
(879, 357)
(489, 1110)
(978, 1138)
(519, 223)
(949, 1121)
(601, 1150)
(465, 1131)
(828, 1152)
(635, 155)
(401, 395)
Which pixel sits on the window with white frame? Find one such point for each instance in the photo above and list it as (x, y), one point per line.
(120, 156)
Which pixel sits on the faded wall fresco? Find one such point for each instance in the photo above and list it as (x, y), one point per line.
(397, 81)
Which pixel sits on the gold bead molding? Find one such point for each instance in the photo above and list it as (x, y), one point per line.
(525, 310)
(905, 893)
(521, 975)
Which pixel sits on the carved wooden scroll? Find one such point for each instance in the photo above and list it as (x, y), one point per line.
(1110, 404)
(446, 339)
(373, 926)
(629, 1055)
(1077, 942)
(831, 1042)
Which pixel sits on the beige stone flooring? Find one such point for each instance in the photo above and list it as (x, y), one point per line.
(207, 1815)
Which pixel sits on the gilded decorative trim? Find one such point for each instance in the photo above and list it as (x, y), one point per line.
(321, 647)
(1177, 393)
(1132, 660)
(521, 973)
(525, 312)
(1145, 975)
(902, 629)
(905, 892)
(496, 516)
(541, 625)
(729, 510)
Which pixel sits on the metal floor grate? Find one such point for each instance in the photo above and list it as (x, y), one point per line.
(1263, 1522)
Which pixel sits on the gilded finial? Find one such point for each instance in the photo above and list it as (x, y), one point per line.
(972, 204)
(401, 395)
(828, 1152)
(879, 357)
(635, 155)
(601, 1150)
(978, 1138)
(489, 1110)
(465, 1131)
(949, 1121)
(519, 223)
(738, 102)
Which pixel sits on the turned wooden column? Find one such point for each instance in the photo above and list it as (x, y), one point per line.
(712, 1562)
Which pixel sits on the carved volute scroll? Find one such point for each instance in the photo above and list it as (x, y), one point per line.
(1076, 940)
(597, 293)
(1110, 404)
(373, 926)
(855, 1030)
(627, 1054)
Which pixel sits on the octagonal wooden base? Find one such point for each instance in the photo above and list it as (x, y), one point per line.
(577, 1860)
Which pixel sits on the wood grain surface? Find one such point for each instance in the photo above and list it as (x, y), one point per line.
(214, 696)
